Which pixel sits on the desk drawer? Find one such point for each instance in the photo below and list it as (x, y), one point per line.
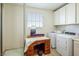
(30, 52)
(47, 51)
(47, 47)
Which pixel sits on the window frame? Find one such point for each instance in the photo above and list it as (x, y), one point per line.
(34, 15)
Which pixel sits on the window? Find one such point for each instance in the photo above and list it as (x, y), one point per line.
(34, 20)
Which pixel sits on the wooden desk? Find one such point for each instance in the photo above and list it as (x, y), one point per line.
(30, 51)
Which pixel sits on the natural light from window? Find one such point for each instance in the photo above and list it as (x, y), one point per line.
(34, 20)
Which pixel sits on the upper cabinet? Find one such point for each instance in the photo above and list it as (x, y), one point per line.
(77, 13)
(56, 15)
(67, 15)
(60, 16)
(70, 13)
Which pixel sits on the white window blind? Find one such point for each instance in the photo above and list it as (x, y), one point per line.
(34, 20)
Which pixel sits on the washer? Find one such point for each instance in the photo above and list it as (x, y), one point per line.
(64, 44)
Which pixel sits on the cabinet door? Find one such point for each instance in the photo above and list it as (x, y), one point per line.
(57, 17)
(70, 13)
(62, 16)
(77, 13)
(76, 48)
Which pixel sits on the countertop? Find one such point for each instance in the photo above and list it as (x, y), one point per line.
(77, 39)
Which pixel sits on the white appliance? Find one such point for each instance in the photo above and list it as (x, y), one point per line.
(64, 44)
(52, 36)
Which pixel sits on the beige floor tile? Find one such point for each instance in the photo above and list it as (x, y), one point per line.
(53, 53)
(14, 52)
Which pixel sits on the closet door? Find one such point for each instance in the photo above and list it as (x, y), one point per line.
(12, 26)
(0, 30)
(70, 13)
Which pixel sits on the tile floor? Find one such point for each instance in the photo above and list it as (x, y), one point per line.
(53, 53)
(19, 52)
(14, 52)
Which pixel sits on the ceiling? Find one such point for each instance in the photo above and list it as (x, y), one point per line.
(51, 6)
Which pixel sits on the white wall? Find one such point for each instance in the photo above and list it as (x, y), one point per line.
(12, 26)
(48, 20)
(69, 28)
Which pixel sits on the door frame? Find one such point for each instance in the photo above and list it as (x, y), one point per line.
(1, 30)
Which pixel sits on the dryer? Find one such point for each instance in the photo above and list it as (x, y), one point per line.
(52, 36)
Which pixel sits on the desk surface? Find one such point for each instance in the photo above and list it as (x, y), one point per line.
(37, 38)
(29, 41)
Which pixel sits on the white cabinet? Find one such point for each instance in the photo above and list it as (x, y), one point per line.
(76, 48)
(56, 14)
(70, 13)
(62, 16)
(66, 15)
(77, 13)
